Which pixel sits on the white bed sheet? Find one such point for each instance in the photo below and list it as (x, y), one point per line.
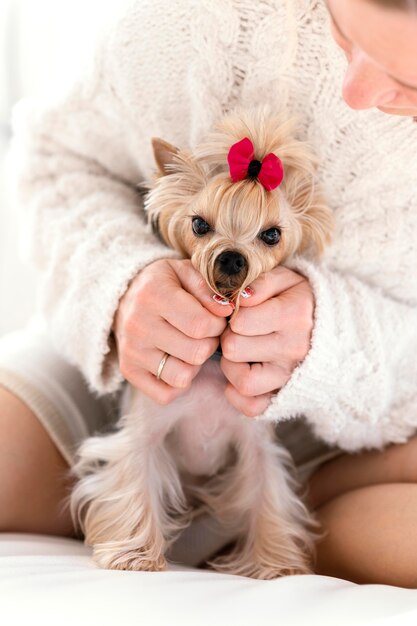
(53, 581)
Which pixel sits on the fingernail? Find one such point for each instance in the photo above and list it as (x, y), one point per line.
(247, 293)
(223, 301)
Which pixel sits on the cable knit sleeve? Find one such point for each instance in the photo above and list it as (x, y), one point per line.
(80, 160)
(357, 386)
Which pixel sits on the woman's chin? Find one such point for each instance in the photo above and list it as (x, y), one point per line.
(412, 112)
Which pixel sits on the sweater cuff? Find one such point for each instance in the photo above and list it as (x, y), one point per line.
(313, 384)
(87, 311)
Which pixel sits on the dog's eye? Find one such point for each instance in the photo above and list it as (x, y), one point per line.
(271, 236)
(200, 226)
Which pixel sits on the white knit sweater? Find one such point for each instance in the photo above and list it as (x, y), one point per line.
(170, 69)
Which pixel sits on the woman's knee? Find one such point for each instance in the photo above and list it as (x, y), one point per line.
(33, 474)
(397, 463)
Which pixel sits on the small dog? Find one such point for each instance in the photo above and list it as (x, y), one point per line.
(241, 203)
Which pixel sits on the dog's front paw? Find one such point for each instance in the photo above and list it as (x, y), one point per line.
(132, 560)
(264, 560)
(252, 568)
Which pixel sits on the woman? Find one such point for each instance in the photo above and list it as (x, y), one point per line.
(336, 335)
(369, 502)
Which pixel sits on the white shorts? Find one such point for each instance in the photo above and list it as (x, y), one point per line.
(54, 390)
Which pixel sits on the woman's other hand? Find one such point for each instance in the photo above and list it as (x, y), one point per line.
(167, 308)
(267, 339)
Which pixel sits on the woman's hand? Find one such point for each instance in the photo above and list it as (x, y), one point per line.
(266, 340)
(167, 308)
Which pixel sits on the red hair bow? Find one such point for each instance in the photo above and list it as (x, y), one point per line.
(242, 164)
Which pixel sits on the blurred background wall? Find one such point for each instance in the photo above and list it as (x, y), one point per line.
(43, 45)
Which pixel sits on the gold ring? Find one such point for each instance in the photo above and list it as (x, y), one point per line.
(161, 365)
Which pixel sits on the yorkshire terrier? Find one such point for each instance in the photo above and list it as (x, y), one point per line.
(238, 205)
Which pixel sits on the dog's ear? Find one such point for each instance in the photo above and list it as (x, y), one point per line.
(164, 154)
(317, 222)
(306, 201)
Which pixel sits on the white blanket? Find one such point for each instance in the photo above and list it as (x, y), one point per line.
(54, 582)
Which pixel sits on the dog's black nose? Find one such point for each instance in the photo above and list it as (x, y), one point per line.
(231, 262)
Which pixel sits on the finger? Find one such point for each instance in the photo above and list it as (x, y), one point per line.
(149, 332)
(175, 372)
(194, 284)
(186, 314)
(148, 358)
(138, 358)
(284, 349)
(271, 284)
(263, 319)
(251, 407)
(159, 391)
(254, 379)
(290, 311)
(189, 350)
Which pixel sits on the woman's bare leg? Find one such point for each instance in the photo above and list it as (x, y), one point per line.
(367, 505)
(395, 464)
(371, 535)
(33, 474)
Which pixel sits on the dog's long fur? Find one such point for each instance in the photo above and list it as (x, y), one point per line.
(140, 486)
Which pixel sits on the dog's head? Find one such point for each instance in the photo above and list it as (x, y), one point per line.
(234, 231)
